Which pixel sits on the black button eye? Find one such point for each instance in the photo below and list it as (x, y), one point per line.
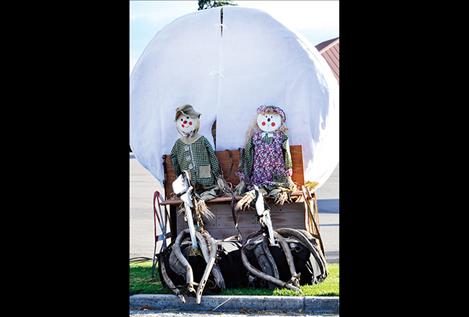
(181, 119)
(187, 118)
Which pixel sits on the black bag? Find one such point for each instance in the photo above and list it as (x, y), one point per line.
(228, 260)
(196, 262)
(230, 264)
(308, 259)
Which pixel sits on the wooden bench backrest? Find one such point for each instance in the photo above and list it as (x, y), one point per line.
(229, 161)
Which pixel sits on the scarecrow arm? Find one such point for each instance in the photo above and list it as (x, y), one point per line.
(212, 157)
(248, 158)
(174, 160)
(286, 153)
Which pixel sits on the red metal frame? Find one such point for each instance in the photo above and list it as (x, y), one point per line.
(157, 218)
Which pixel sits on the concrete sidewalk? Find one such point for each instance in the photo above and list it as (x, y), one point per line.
(146, 313)
(242, 304)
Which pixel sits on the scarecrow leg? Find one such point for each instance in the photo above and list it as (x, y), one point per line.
(218, 277)
(187, 199)
(202, 245)
(208, 269)
(268, 223)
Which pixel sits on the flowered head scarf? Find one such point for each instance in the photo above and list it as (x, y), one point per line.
(272, 109)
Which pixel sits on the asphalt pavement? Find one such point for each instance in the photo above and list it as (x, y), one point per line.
(224, 314)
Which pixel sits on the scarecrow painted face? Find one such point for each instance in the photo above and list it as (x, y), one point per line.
(186, 124)
(269, 122)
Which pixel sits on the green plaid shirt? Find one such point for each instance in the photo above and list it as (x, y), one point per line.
(198, 158)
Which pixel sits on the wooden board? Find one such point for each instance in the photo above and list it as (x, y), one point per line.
(229, 161)
(283, 216)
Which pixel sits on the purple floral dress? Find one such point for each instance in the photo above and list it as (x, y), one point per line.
(266, 159)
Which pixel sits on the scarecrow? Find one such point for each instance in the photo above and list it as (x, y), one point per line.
(193, 153)
(265, 170)
(198, 179)
(265, 161)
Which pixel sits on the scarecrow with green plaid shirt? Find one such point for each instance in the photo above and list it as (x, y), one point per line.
(193, 152)
(199, 179)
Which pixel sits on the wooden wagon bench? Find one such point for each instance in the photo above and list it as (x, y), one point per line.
(290, 215)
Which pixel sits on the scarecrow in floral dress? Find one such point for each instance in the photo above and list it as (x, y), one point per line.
(266, 161)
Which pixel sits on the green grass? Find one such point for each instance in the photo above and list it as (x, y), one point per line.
(141, 282)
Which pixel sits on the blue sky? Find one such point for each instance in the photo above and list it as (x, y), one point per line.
(316, 20)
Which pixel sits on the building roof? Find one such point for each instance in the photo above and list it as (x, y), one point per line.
(324, 44)
(330, 51)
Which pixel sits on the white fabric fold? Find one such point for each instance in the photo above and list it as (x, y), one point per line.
(257, 61)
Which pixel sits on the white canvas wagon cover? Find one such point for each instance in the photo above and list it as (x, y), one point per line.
(226, 69)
